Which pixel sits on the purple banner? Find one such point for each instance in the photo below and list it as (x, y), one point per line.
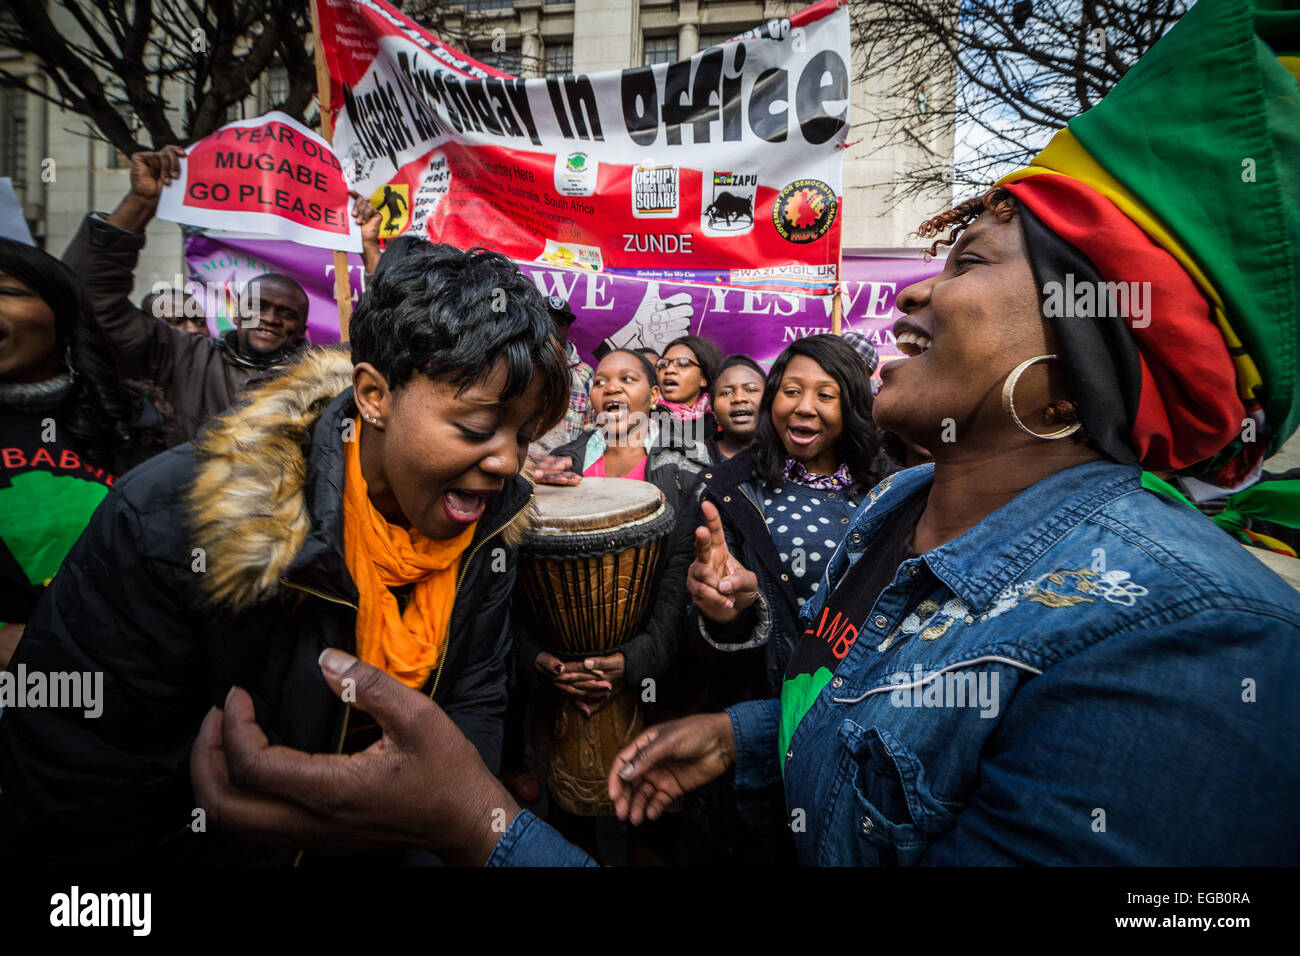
(620, 311)
(220, 259)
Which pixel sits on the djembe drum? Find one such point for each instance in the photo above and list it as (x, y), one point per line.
(586, 572)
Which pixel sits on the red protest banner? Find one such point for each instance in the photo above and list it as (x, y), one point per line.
(269, 175)
(725, 168)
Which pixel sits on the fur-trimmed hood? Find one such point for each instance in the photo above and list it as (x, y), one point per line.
(269, 478)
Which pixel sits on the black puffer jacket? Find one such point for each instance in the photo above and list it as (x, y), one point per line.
(172, 628)
(199, 376)
(673, 466)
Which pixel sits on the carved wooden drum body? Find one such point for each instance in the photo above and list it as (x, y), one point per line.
(586, 573)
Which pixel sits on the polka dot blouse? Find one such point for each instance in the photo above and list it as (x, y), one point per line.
(806, 525)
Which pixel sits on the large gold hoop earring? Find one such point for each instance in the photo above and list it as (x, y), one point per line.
(1009, 402)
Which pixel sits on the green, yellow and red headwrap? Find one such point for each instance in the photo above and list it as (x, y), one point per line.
(1186, 176)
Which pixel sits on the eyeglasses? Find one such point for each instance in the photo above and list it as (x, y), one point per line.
(681, 362)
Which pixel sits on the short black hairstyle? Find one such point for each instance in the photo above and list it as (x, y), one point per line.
(730, 362)
(706, 353)
(858, 442)
(292, 283)
(651, 372)
(449, 313)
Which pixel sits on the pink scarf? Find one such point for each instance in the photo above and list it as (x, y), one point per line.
(688, 413)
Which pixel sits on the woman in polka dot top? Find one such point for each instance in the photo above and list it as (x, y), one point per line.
(783, 505)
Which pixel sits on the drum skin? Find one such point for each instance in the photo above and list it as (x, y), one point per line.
(586, 572)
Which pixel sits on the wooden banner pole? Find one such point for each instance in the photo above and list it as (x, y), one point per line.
(837, 306)
(342, 285)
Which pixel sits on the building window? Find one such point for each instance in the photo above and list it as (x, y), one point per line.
(475, 5)
(235, 111)
(277, 86)
(559, 59)
(660, 50)
(117, 159)
(13, 138)
(507, 61)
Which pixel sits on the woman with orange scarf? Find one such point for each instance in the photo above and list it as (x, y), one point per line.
(370, 505)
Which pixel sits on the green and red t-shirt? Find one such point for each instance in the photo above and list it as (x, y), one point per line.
(834, 629)
(48, 491)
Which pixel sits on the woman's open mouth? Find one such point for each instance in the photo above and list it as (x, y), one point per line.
(802, 434)
(613, 410)
(464, 507)
(741, 416)
(912, 344)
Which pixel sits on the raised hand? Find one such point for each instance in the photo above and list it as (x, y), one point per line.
(150, 172)
(721, 587)
(369, 219)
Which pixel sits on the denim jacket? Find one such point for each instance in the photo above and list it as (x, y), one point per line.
(1091, 675)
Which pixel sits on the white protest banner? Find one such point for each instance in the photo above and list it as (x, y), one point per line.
(723, 168)
(268, 176)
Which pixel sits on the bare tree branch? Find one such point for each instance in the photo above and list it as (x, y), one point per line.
(109, 59)
(1003, 76)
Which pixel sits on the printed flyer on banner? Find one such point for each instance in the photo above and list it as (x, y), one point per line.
(266, 176)
(723, 168)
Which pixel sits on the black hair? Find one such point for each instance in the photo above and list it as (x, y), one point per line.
(105, 414)
(859, 440)
(447, 313)
(731, 361)
(706, 353)
(650, 370)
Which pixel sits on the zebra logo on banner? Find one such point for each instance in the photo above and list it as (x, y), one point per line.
(729, 206)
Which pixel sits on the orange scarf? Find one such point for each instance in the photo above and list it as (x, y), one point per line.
(380, 556)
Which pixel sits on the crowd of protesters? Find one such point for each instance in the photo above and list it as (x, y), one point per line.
(237, 532)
